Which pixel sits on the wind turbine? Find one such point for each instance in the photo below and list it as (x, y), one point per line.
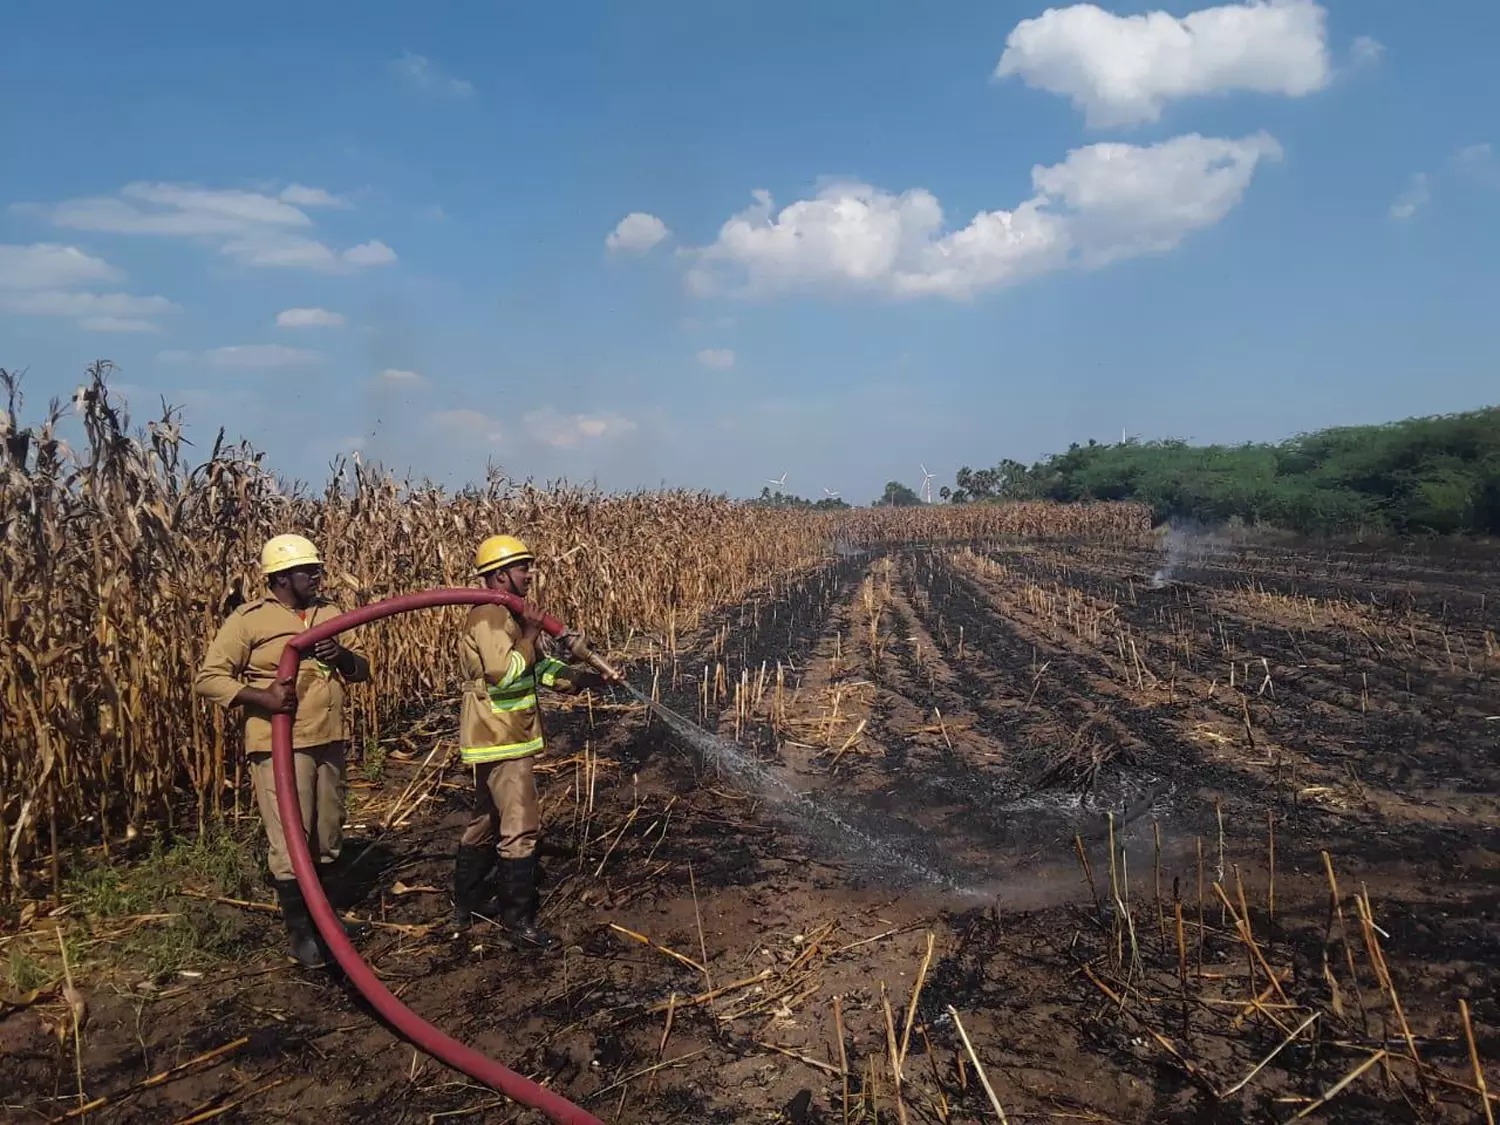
(828, 492)
(779, 482)
(926, 485)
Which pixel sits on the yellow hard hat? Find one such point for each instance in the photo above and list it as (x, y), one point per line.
(286, 551)
(500, 550)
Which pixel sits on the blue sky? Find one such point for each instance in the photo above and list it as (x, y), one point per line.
(991, 229)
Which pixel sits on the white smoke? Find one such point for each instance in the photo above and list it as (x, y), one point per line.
(1187, 544)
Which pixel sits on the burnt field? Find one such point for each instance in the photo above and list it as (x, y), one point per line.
(1048, 830)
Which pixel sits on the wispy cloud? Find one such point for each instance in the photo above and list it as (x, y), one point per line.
(396, 377)
(1478, 163)
(243, 357)
(1418, 194)
(41, 280)
(719, 358)
(309, 318)
(49, 265)
(117, 324)
(1366, 52)
(1474, 164)
(57, 302)
(567, 431)
(421, 73)
(301, 196)
(255, 228)
(469, 424)
(267, 250)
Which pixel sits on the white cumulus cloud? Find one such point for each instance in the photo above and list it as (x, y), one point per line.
(309, 318)
(369, 254)
(636, 233)
(253, 227)
(1103, 203)
(1122, 70)
(720, 358)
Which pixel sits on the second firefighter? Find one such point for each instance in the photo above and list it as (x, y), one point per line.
(503, 664)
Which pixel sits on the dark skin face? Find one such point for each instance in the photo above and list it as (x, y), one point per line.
(298, 589)
(516, 579)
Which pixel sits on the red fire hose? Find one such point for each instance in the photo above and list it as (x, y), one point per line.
(417, 1030)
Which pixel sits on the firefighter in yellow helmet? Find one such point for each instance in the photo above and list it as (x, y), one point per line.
(504, 659)
(239, 670)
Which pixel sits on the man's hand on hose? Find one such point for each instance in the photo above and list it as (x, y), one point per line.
(279, 699)
(531, 622)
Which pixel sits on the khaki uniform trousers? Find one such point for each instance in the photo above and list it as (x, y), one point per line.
(321, 793)
(507, 811)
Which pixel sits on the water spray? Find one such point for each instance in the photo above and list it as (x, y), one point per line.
(730, 759)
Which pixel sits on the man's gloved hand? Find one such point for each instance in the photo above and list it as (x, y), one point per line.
(327, 650)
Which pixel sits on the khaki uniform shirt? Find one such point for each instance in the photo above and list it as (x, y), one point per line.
(245, 653)
(499, 718)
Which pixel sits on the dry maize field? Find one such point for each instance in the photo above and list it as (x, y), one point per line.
(1014, 813)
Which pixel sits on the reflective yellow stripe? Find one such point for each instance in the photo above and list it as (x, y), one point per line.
(514, 670)
(477, 755)
(503, 706)
(514, 688)
(518, 696)
(547, 670)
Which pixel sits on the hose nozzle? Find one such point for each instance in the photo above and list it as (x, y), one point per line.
(579, 650)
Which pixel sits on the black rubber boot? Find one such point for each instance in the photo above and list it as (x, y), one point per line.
(519, 903)
(331, 876)
(471, 871)
(306, 947)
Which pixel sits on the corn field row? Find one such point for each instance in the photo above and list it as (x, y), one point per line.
(118, 561)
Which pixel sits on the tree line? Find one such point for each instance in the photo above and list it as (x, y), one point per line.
(1430, 475)
(779, 499)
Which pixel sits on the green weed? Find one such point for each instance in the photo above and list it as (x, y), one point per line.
(375, 760)
(24, 972)
(214, 862)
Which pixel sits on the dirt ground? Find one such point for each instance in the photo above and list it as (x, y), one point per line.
(891, 889)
